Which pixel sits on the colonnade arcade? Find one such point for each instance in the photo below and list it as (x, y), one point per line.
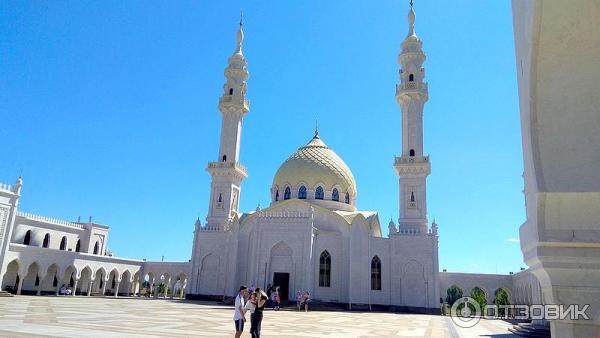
(98, 280)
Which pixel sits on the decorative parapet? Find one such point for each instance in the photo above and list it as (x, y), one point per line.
(225, 168)
(6, 187)
(415, 165)
(210, 228)
(232, 103)
(49, 220)
(414, 232)
(284, 214)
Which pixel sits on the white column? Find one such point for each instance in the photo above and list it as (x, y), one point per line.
(20, 285)
(89, 293)
(75, 286)
(104, 287)
(39, 289)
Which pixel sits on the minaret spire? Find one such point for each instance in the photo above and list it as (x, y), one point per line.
(412, 166)
(240, 34)
(411, 20)
(227, 172)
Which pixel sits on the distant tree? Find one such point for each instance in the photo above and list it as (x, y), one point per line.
(479, 296)
(501, 298)
(454, 293)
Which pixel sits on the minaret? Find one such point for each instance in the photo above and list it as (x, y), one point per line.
(412, 167)
(227, 172)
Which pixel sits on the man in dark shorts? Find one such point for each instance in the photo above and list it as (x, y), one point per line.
(239, 316)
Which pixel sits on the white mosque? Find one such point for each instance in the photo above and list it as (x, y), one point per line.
(311, 237)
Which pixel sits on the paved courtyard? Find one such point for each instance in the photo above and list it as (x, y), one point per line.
(30, 316)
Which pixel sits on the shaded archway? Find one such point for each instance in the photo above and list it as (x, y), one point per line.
(114, 279)
(69, 280)
(51, 282)
(125, 286)
(99, 284)
(32, 279)
(10, 281)
(180, 285)
(84, 287)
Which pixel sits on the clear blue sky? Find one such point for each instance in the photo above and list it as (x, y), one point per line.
(110, 109)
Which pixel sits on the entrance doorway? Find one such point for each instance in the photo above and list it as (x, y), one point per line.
(282, 279)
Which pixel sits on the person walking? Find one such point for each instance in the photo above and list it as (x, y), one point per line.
(277, 298)
(299, 297)
(257, 317)
(306, 300)
(239, 315)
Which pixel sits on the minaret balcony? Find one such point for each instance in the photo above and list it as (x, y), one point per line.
(412, 165)
(227, 168)
(411, 86)
(233, 103)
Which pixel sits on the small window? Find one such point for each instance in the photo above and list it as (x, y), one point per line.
(325, 269)
(220, 198)
(96, 248)
(46, 241)
(78, 246)
(411, 77)
(412, 196)
(411, 152)
(27, 239)
(287, 194)
(335, 195)
(376, 273)
(63, 243)
(319, 194)
(276, 195)
(224, 158)
(230, 91)
(347, 199)
(302, 193)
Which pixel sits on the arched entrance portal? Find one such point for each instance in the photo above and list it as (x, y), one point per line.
(281, 266)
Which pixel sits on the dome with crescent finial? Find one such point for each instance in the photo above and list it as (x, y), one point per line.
(315, 173)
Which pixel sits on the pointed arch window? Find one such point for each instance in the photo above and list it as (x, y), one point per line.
(302, 193)
(412, 196)
(224, 158)
(335, 195)
(319, 193)
(376, 273)
(411, 77)
(78, 246)
(412, 152)
(96, 248)
(287, 194)
(27, 238)
(277, 195)
(63, 243)
(325, 269)
(46, 242)
(347, 199)
(230, 91)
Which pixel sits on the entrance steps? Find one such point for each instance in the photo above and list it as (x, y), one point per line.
(530, 330)
(5, 294)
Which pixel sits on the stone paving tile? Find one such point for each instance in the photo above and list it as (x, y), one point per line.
(29, 316)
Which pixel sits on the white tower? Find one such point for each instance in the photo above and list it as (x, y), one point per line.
(227, 172)
(412, 167)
